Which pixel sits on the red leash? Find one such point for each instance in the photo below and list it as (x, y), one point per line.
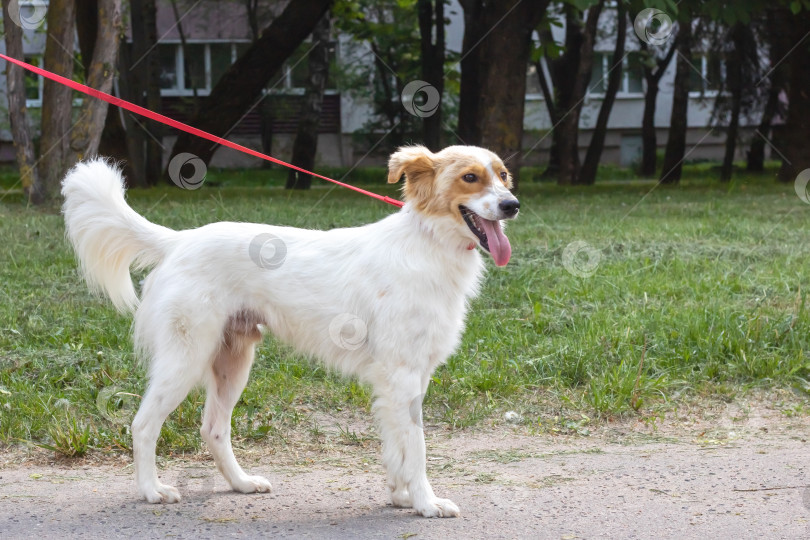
(118, 102)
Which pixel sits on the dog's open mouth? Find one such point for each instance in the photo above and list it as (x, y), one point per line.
(490, 235)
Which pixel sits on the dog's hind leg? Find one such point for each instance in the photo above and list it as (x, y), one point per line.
(398, 408)
(228, 377)
(167, 389)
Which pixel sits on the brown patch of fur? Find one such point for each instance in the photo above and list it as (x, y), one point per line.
(244, 324)
(240, 334)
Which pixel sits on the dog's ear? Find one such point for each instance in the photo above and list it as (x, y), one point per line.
(415, 162)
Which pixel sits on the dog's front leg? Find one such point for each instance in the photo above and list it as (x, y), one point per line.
(398, 408)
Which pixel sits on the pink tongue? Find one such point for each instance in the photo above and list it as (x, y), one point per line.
(499, 246)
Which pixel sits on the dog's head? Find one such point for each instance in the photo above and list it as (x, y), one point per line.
(466, 184)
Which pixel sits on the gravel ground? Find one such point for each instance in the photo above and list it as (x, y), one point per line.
(737, 472)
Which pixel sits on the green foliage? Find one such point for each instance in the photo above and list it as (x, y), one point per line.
(797, 6)
(70, 437)
(381, 57)
(712, 277)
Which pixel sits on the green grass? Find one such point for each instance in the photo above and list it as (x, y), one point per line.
(706, 282)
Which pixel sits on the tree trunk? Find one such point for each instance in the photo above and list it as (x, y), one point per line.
(18, 114)
(431, 15)
(562, 71)
(553, 163)
(776, 20)
(151, 85)
(649, 138)
(727, 168)
(756, 153)
(568, 141)
(390, 107)
(244, 81)
(267, 110)
(734, 85)
(87, 30)
(113, 141)
(797, 126)
(676, 143)
(87, 131)
(267, 106)
(141, 71)
(470, 84)
(587, 175)
(134, 133)
(57, 99)
(306, 139)
(795, 142)
(506, 46)
(252, 9)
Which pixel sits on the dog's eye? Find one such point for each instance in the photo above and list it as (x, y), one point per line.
(504, 175)
(469, 178)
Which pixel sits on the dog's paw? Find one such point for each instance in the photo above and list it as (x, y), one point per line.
(161, 493)
(439, 508)
(253, 484)
(401, 498)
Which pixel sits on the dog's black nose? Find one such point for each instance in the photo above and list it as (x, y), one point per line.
(509, 207)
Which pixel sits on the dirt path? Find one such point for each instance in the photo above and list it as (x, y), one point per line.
(740, 472)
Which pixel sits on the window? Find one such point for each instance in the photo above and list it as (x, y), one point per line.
(222, 56)
(599, 70)
(195, 74)
(632, 74)
(707, 73)
(294, 73)
(167, 56)
(199, 67)
(33, 83)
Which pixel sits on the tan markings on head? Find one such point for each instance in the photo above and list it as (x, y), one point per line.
(434, 183)
(416, 163)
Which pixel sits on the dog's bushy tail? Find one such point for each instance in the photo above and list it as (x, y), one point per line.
(107, 235)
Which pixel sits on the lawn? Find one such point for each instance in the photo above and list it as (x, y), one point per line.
(677, 294)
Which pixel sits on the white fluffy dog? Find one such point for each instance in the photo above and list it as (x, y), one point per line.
(384, 302)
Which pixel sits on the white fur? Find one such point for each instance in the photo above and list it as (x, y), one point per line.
(404, 282)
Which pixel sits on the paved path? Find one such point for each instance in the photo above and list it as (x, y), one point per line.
(715, 478)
